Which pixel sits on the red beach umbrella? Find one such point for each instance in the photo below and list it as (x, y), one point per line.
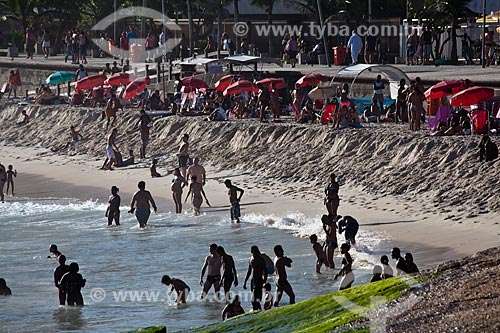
(240, 86)
(90, 82)
(226, 81)
(136, 87)
(472, 96)
(445, 88)
(311, 79)
(278, 83)
(118, 79)
(194, 83)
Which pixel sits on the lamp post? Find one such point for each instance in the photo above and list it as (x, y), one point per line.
(323, 33)
(483, 45)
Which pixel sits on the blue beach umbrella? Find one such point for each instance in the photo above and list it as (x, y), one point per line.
(59, 77)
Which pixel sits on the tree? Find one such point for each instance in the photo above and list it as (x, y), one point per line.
(268, 5)
(19, 10)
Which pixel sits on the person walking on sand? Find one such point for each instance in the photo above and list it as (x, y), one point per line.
(180, 287)
(230, 276)
(213, 263)
(350, 226)
(232, 309)
(10, 179)
(234, 200)
(282, 284)
(318, 250)
(3, 180)
(332, 200)
(178, 183)
(113, 210)
(197, 170)
(144, 126)
(401, 267)
(414, 108)
(110, 111)
(346, 270)
(59, 272)
(141, 204)
(330, 228)
(183, 154)
(197, 195)
(111, 145)
(72, 283)
(75, 137)
(257, 265)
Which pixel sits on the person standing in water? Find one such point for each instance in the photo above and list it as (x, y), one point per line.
(234, 199)
(59, 272)
(282, 284)
(350, 226)
(10, 179)
(318, 250)
(55, 252)
(330, 228)
(332, 200)
(113, 211)
(257, 265)
(401, 267)
(72, 284)
(3, 180)
(213, 263)
(178, 183)
(140, 204)
(180, 287)
(197, 170)
(346, 270)
(197, 195)
(183, 155)
(230, 276)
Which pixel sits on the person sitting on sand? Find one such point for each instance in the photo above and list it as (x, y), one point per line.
(372, 113)
(152, 169)
(25, 120)
(488, 150)
(411, 268)
(45, 96)
(218, 114)
(350, 226)
(232, 309)
(387, 271)
(234, 200)
(72, 283)
(113, 210)
(330, 228)
(59, 272)
(346, 270)
(11, 174)
(178, 183)
(141, 204)
(332, 200)
(307, 113)
(318, 250)
(401, 267)
(180, 287)
(197, 195)
(111, 108)
(130, 160)
(377, 274)
(55, 252)
(4, 290)
(282, 284)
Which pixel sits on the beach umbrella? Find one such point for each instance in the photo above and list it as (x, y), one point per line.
(90, 82)
(311, 79)
(241, 86)
(194, 83)
(135, 87)
(445, 88)
(118, 79)
(277, 83)
(322, 92)
(59, 77)
(226, 81)
(472, 96)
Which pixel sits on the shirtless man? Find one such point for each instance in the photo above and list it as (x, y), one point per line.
(59, 272)
(140, 204)
(257, 265)
(230, 276)
(213, 263)
(183, 155)
(181, 288)
(350, 226)
(331, 243)
(55, 252)
(111, 108)
(414, 108)
(282, 284)
(3, 180)
(75, 136)
(144, 125)
(111, 144)
(234, 200)
(197, 170)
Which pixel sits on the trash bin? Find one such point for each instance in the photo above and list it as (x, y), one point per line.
(432, 106)
(137, 53)
(339, 54)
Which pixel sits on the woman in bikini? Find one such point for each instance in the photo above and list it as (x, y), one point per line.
(332, 200)
(178, 183)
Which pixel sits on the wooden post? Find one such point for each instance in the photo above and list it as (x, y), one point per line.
(58, 89)
(69, 88)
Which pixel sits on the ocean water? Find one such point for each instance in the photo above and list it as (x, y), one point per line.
(124, 265)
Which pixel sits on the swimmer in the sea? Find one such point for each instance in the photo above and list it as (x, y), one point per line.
(197, 195)
(140, 204)
(113, 211)
(282, 284)
(72, 283)
(59, 272)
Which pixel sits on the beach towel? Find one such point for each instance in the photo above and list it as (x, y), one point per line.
(442, 116)
(479, 121)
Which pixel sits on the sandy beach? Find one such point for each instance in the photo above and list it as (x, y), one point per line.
(435, 227)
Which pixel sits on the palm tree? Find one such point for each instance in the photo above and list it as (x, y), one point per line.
(236, 13)
(268, 5)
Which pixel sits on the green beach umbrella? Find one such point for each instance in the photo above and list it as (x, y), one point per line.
(59, 77)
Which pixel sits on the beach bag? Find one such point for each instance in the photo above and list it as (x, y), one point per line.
(269, 263)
